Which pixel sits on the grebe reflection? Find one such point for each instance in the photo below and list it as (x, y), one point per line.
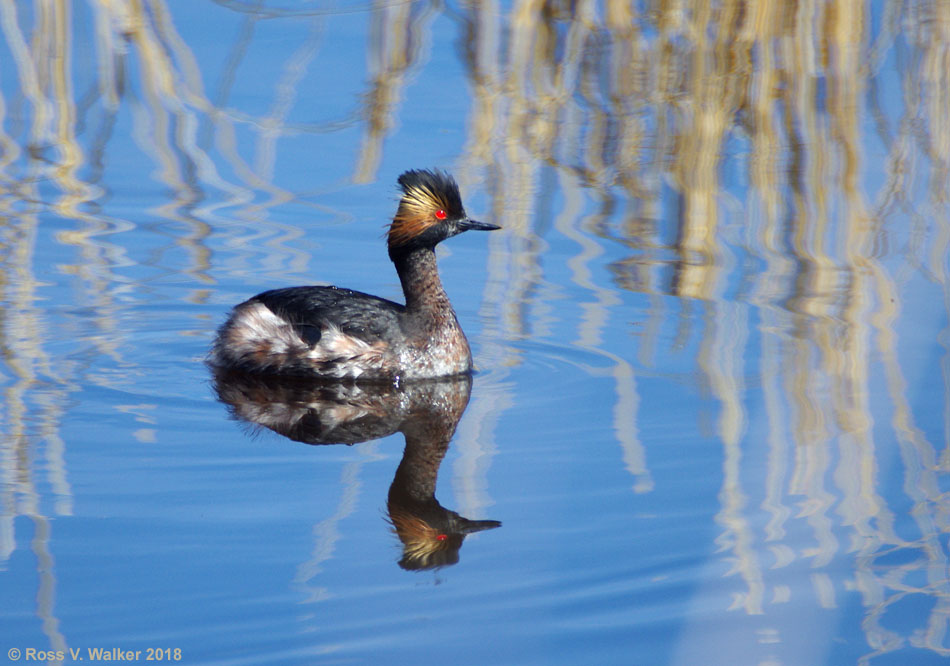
(427, 414)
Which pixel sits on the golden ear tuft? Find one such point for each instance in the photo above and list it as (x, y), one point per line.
(428, 198)
(416, 213)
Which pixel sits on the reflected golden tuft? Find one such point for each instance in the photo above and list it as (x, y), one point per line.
(421, 543)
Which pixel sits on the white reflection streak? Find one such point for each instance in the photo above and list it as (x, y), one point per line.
(477, 446)
(273, 130)
(326, 533)
(26, 69)
(921, 481)
(475, 436)
(595, 318)
(284, 97)
(764, 233)
(721, 360)
(55, 450)
(776, 465)
(944, 339)
(164, 99)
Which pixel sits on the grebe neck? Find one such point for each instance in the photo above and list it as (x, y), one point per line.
(419, 275)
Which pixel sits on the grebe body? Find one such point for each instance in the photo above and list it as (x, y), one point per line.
(337, 333)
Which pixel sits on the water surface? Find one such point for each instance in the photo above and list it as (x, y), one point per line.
(712, 407)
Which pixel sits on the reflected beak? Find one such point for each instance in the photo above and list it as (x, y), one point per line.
(475, 225)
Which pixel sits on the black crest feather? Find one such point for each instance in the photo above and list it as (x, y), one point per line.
(439, 183)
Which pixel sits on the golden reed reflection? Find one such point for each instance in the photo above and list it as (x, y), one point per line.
(426, 413)
(650, 111)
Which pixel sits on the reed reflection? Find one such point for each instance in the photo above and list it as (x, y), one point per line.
(782, 173)
(426, 413)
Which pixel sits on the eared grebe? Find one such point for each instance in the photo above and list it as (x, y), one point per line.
(343, 334)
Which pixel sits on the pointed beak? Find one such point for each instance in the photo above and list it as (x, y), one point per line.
(474, 225)
(467, 526)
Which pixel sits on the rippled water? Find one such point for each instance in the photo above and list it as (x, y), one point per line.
(712, 407)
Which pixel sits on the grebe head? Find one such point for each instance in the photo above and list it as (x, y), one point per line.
(430, 211)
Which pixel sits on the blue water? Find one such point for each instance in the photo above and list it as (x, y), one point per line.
(712, 403)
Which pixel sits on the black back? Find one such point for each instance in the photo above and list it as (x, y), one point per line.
(308, 309)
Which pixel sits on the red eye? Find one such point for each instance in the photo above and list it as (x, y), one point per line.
(440, 214)
(441, 537)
